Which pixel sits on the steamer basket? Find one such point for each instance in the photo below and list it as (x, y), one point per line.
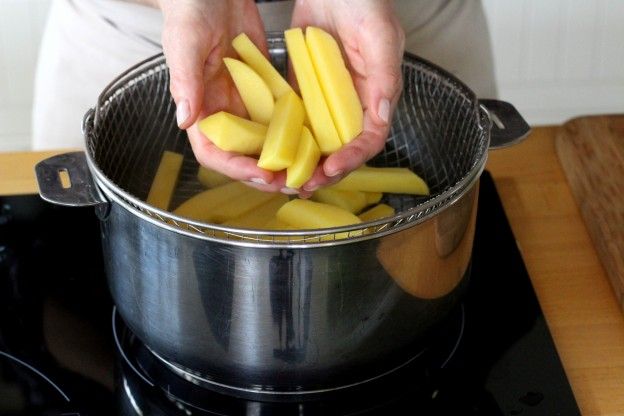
(440, 131)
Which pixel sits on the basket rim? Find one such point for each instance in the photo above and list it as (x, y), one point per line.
(418, 214)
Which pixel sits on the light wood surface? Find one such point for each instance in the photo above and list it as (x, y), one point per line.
(574, 292)
(591, 153)
(17, 171)
(572, 287)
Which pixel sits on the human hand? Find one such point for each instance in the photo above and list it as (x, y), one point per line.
(197, 34)
(373, 43)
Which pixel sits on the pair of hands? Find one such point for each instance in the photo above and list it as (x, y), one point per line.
(197, 34)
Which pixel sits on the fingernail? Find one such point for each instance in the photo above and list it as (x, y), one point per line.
(289, 191)
(258, 180)
(183, 111)
(310, 188)
(332, 174)
(253, 185)
(384, 110)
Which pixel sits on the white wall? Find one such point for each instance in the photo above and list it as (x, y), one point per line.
(554, 59)
(21, 26)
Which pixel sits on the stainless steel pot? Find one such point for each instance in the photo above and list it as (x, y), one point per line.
(293, 312)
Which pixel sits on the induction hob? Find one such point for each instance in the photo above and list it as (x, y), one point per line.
(494, 354)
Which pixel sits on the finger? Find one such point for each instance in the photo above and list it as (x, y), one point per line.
(254, 28)
(380, 79)
(234, 165)
(354, 154)
(277, 185)
(190, 59)
(319, 179)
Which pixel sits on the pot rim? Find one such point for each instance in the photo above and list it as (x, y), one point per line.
(324, 237)
(313, 237)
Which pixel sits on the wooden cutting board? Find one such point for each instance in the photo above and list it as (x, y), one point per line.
(591, 152)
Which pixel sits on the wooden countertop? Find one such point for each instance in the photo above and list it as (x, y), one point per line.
(577, 299)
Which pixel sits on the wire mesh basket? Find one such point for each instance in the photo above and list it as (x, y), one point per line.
(438, 130)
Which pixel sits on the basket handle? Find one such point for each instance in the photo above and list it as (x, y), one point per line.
(507, 125)
(65, 180)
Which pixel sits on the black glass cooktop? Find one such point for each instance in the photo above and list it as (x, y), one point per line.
(58, 355)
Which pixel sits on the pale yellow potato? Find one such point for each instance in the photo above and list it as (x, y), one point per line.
(234, 134)
(352, 201)
(387, 180)
(276, 225)
(305, 214)
(252, 56)
(210, 178)
(202, 206)
(377, 212)
(254, 92)
(248, 200)
(336, 83)
(316, 107)
(261, 216)
(283, 134)
(165, 180)
(308, 156)
(373, 197)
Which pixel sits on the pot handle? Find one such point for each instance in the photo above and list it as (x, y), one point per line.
(65, 180)
(507, 125)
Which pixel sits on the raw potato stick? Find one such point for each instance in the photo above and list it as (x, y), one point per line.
(377, 212)
(252, 56)
(304, 214)
(316, 108)
(282, 138)
(241, 204)
(165, 180)
(234, 134)
(336, 83)
(210, 178)
(201, 206)
(260, 217)
(308, 156)
(254, 92)
(352, 201)
(387, 180)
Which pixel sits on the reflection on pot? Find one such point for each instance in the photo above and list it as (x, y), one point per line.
(427, 270)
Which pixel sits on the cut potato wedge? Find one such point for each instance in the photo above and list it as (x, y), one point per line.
(165, 180)
(276, 225)
(308, 156)
(234, 134)
(377, 212)
(254, 92)
(248, 200)
(210, 178)
(352, 201)
(336, 83)
(390, 180)
(316, 107)
(201, 206)
(373, 197)
(282, 138)
(261, 216)
(252, 56)
(305, 214)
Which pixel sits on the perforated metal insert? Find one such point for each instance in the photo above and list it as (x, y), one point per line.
(436, 131)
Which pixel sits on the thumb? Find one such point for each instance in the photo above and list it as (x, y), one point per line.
(188, 59)
(381, 85)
